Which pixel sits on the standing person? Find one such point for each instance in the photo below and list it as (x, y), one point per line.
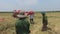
(45, 22)
(22, 24)
(31, 13)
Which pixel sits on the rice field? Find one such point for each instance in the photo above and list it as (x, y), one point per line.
(7, 23)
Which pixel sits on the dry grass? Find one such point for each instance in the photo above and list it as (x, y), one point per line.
(7, 26)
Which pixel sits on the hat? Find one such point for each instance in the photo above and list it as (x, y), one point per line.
(31, 12)
(21, 16)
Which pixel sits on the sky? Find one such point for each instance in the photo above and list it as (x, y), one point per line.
(35, 5)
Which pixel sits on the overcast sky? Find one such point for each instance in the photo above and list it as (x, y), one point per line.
(38, 5)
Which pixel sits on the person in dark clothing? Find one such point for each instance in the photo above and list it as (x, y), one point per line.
(22, 25)
(44, 21)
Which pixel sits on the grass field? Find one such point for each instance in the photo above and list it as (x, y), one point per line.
(7, 25)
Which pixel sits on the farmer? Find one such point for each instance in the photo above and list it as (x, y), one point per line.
(45, 22)
(22, 24)
(31, 13)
